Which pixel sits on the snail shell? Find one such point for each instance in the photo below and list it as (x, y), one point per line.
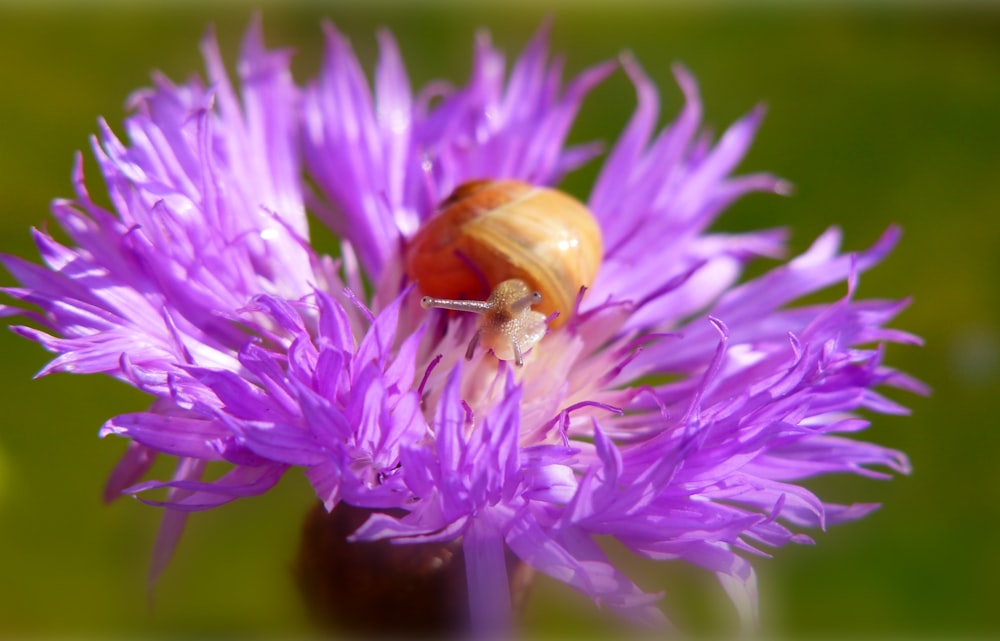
(487, 232)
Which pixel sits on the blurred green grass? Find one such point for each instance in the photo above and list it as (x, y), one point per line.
(878, 116)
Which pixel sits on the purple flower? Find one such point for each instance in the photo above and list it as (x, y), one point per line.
(676, 410)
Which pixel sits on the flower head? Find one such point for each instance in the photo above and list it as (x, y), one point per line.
(675, 410)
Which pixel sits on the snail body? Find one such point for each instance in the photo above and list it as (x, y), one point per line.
(507, 324)
(488, 232)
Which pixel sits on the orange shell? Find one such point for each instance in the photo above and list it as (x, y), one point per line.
(488, 231)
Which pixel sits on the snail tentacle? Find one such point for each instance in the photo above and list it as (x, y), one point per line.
(471, 349)
(518, 357)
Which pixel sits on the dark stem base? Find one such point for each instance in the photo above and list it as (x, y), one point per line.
(380, 589)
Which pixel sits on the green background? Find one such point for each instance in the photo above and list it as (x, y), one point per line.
(877, 115)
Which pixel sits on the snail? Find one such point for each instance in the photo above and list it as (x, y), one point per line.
(499, 248)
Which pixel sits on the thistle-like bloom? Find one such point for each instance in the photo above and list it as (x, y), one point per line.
(676, 410)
